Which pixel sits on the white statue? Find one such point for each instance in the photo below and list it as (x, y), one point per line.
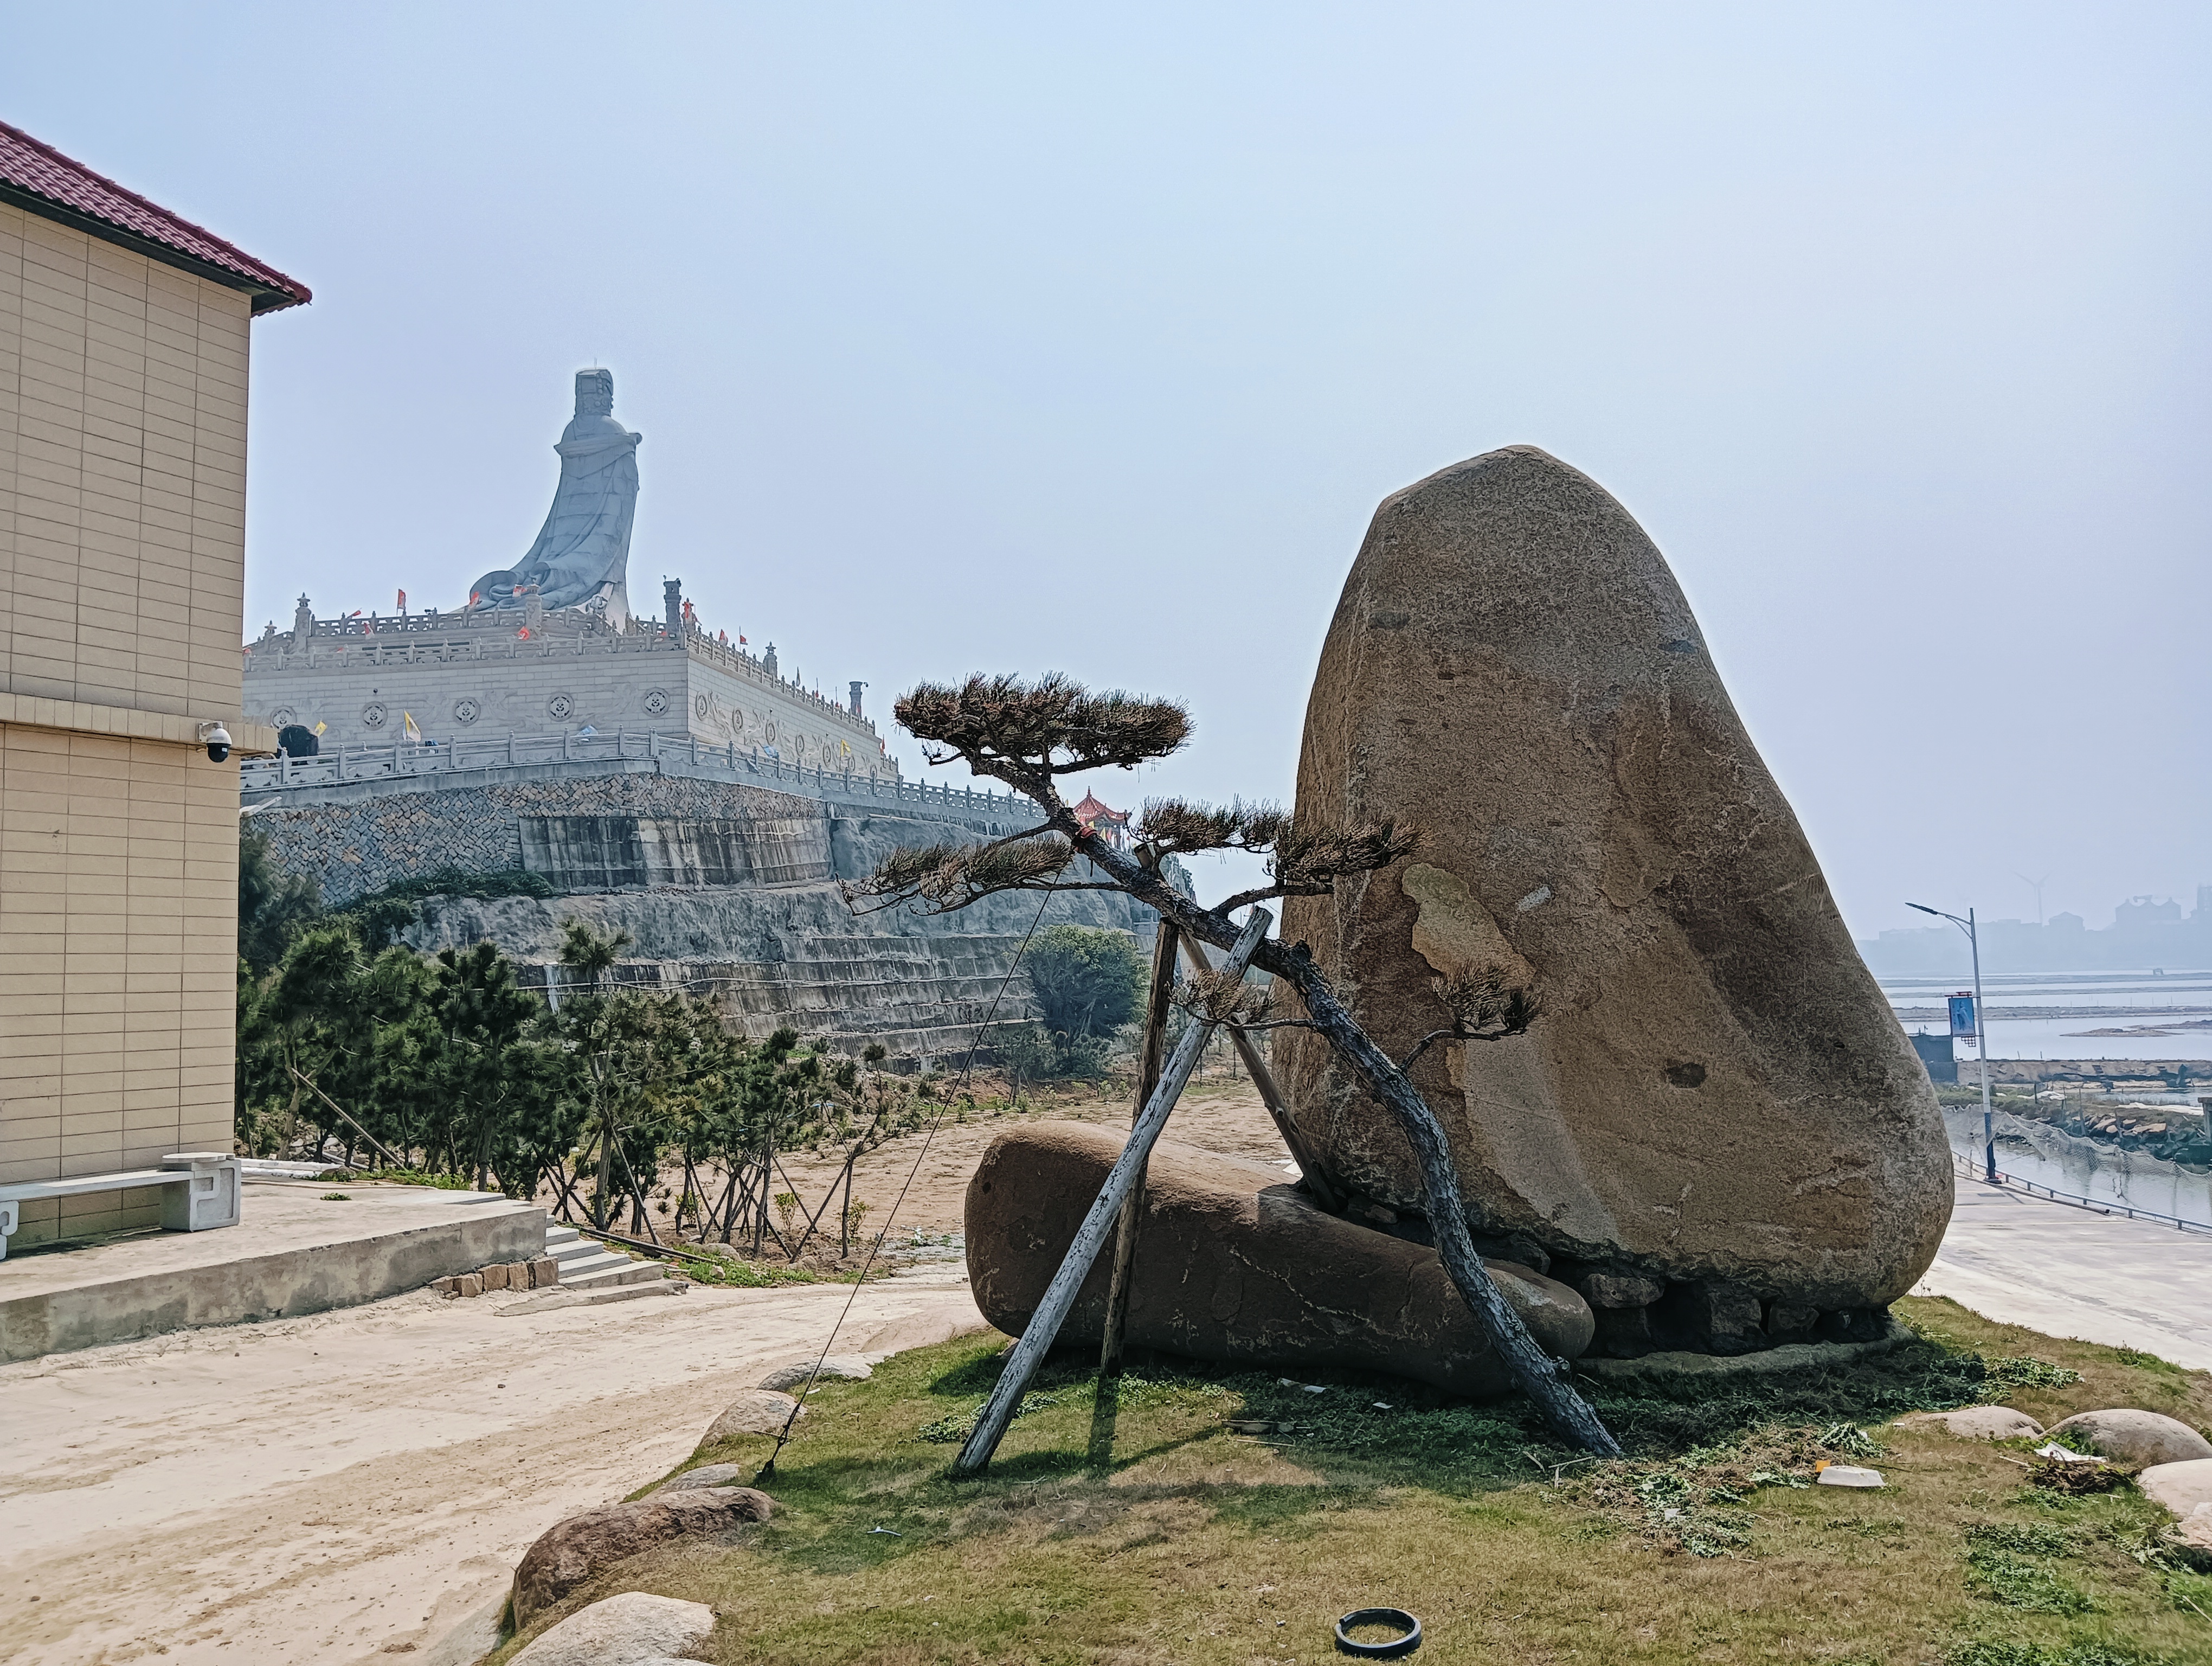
(581, 558)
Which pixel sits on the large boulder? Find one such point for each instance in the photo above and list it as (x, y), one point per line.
(1235, 1264)
(571, 1551)
(2132, 1436)
(1716, 1092)
(632, 1629)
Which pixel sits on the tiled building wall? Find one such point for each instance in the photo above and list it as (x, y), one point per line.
(122, 387)
(122, 474)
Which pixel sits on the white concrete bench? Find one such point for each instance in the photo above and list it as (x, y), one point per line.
(203, 1192)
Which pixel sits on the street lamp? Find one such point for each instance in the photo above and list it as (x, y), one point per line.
(1981, 1034)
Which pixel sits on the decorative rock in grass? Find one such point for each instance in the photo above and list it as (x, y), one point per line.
(569, 1554)
(848, 1367)
(2133, 1437)
(1715, 1092)
(632, 1629)
(707, 1475)
(1978, 1423)
(2179, 1487)
(754, 1411)
(1235, 1264)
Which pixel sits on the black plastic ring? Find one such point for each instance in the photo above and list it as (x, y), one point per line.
(1390, 1650)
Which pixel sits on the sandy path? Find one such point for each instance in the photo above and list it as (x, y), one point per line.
(341, 1487)
(1225, 1117)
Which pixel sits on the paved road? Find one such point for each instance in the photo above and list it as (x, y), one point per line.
(349, 1487)
(2067, 1271)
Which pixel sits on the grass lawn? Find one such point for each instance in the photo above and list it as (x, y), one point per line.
(1176, 1535)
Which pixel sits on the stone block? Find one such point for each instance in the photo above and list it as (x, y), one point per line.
(544, 1271)
(1613, 1286)
(469, 1283)
(1854, 1324)
(1791, 1321)
(1624, 1332)
(495, 1276)
(1716, 1315)
(448, 1287)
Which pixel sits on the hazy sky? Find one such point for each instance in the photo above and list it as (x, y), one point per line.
(977, 338)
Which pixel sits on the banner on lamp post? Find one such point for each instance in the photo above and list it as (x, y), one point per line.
(1962, 1017)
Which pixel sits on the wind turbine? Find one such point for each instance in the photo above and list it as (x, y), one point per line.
(2038, 885)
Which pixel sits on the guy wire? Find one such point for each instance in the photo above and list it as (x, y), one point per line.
(798, 1405)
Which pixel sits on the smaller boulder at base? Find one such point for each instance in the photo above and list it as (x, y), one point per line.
(1233, 1263)
(571, 1551)
(633, 1629)
(2133, 1437)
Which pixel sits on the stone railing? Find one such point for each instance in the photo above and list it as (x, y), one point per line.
(434, 638)
(434, 757)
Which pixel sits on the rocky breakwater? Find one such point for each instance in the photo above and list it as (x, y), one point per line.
(1714, 1130)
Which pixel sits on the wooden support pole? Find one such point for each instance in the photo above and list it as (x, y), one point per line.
(373, 1144)
(1150, 1059)
(1091, 1238)
(1317, 1181)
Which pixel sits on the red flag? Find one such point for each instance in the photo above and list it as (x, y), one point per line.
(403, 601)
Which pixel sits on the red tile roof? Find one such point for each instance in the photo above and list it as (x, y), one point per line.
(38, 178)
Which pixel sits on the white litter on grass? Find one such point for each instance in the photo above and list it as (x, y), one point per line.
(1847, 1474)
(2064, 1455)
(1384, 1406)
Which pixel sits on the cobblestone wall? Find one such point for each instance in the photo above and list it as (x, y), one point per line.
(352, 849)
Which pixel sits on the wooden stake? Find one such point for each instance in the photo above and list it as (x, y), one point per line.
(1150, 1059)
(1091, 1238)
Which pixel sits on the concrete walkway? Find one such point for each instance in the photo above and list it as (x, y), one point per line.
(293, 1251)
(2068, 1271)
(352, 1486)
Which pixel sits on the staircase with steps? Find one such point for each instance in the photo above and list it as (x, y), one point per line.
(588, 1264)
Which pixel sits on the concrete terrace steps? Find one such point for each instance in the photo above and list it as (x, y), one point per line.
(588, 1264)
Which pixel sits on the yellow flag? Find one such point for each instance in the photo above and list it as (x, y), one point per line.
(407, 718)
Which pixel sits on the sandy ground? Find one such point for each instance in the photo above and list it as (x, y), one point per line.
(350, 1487)
(1224, 1117)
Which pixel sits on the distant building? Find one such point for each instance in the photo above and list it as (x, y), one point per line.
(1110, 824)
(2142, 911)
(1936, 1055)
(123, 346)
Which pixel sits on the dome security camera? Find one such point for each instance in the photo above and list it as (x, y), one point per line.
(216, 738)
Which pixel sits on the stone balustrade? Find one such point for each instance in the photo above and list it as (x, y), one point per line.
(448, 756)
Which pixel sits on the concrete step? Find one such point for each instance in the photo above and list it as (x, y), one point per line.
(612, 1270)
(588, 1264)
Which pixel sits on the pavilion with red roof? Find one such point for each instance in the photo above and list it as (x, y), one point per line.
(1110, 825)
